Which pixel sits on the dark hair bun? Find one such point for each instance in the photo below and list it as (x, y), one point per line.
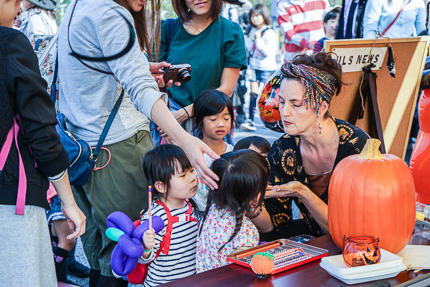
(322, 61)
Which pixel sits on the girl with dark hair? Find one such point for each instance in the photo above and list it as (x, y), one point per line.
(88, 92)
(255, 143)
(302, 160)
(213, 113)
(174, 182)
(226, 226)
(263, 46)
(212, 45)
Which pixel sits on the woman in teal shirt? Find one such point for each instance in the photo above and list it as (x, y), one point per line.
(212, 45)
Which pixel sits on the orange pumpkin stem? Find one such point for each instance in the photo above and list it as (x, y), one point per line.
(371, 150)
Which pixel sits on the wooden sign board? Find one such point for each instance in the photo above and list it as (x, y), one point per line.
(396, 96)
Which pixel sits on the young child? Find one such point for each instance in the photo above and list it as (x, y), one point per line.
(243, 179)
(213, 112)
(262, 44)
(174, 181)
(255, 143)
(331, 20)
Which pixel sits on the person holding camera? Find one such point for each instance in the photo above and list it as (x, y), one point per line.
(100, 29)
(211, 44)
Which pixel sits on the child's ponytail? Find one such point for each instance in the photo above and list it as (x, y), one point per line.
(239, 220)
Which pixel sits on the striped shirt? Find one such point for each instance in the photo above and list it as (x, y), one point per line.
(181, 260)
(301, 22)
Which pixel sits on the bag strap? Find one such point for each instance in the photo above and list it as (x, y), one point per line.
(22, 181)
(395, 19)
(54, 81)
(108, 125)
(170, 32)
(80, 57)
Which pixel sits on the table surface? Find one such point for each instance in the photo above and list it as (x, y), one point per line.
(307, 275)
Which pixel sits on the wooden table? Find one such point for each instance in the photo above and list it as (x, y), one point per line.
(308, 275)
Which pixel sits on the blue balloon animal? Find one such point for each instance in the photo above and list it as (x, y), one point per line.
(129, 248)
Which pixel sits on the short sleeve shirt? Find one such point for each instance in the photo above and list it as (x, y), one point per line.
(286, 165)
(216, 230)
(221, 45)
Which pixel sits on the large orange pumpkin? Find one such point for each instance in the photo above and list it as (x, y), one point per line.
(420, 159)
(372, 194)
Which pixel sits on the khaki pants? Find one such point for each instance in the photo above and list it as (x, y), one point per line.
(120, 186)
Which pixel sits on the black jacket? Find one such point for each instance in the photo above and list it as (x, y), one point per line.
(359, 20)
(23, 93)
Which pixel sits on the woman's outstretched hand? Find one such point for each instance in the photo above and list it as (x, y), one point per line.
(290, 189)
(194, 149)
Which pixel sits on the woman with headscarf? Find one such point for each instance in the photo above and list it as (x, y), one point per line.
(302, 160)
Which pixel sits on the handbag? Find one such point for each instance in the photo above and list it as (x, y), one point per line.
(82, 158)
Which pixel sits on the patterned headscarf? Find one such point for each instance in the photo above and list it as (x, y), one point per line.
(319, 85)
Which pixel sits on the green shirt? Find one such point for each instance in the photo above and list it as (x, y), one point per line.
(221, 45)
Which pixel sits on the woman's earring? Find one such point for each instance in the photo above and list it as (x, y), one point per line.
(320, 127)
(189, 10)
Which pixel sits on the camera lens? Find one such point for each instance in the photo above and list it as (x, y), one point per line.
(184, 75)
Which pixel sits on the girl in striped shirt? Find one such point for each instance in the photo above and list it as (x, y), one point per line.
(169, 171)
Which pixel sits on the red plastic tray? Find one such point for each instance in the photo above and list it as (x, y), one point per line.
(244, 257)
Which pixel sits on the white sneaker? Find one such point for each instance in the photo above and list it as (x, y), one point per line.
(248, 125)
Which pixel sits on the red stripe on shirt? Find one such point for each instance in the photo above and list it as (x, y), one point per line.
(291, 48)
(304, 28)
(309, 6)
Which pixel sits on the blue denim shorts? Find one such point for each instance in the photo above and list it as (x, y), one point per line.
(262, 76)
(55, 212)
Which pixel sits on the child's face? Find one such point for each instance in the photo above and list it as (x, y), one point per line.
(331, 27)
(182, 185)
(217, 126)
(257, 20)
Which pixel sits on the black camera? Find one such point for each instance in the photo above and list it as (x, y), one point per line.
(177, 73)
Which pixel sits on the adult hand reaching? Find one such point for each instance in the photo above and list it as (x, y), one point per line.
(157, 73)
(290, 189)
(75, 219)
(192, 146)
(194, 149)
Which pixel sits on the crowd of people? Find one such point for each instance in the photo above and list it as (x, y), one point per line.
(172, 133)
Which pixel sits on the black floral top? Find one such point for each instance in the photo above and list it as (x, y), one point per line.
(286, 165)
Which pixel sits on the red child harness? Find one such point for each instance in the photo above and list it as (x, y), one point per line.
(138, 275)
